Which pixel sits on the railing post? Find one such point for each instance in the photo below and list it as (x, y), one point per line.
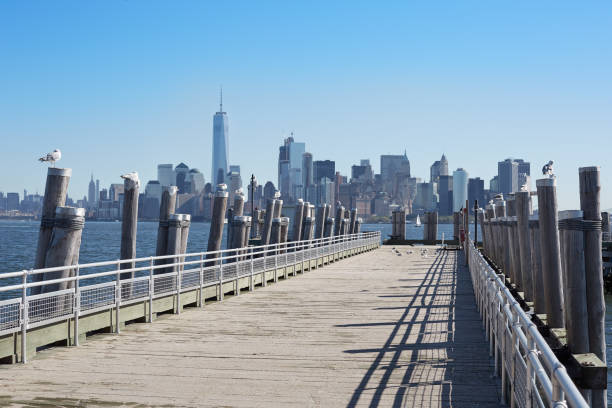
(264, 280)
(251, 284)
(201, 280)
(178, 268)
(24, 317)
(151, 289)
(220, 296)
(117, 296)
(276, 263)
(77, 306)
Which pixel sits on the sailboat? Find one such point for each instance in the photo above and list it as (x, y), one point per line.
(418, 221)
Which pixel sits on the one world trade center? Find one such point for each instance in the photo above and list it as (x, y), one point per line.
(220, 146)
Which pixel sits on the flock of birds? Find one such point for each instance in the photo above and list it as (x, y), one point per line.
(424, 252)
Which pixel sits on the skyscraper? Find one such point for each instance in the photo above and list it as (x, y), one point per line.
(445, 193)
(290, 169)
(91, 196)
(165, 175)
(438, 168)
(220, 145)
(460, 188)
(476, 192)
(307, 174)
(322, 169)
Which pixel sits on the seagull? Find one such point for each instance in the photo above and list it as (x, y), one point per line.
(52, 157)
(133, 177)
(547, 170)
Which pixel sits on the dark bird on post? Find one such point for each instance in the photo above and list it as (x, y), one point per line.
(547, 170)
(52, 157)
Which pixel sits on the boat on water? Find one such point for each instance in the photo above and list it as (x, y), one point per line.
(418, 221)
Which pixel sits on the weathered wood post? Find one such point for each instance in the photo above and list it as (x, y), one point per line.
(218, 218)
(297, 220)
(329, 227)
(238, 203)
(174, 240)
(278, 208)
(269, 216)
(185, 225)
(352, 219)
(512, 244)
(522, 200)
(500, 214)
(590, 187)
(574, 290)
(358, 223)
(64, 247)
(307, 228)
(539, 294)
(284, 229)
(129, 224)
(166, 208)
(456, 222)
(321, 216)
(255, 224)
(55, 196)
(239, 225)
(247, 232)
(480, 219)
(549, 247)
(338, 221)
(230, 228)
(434, 226)
(275, 234)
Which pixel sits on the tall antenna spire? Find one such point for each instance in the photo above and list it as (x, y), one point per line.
(221, 100)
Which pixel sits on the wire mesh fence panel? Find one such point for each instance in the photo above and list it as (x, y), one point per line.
(135, 289)
(269, 262)
(211, 274)
(9, 314)
(258, 265)
(95, 296)
(244, 268)
(50, 306)
(164, 284)
(190, 278)
(520, 380)
(508, 351)
(229, 270)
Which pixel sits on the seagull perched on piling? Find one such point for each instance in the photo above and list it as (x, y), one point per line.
(547, 170)
(133, 178)
(52, 157)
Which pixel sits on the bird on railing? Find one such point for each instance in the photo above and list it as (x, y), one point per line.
(52, 157)
(547, 170)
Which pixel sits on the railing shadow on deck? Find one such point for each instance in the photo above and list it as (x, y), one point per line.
(440, 289)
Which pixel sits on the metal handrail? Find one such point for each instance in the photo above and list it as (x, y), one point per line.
(546, 378)
(84, 293)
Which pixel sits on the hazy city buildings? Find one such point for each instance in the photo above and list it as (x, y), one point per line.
(290, 162)
(91, 190)
(165, 175)
(445, 195)
(476, 191)
(512, 174)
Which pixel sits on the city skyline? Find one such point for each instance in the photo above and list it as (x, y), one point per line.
(517, 84)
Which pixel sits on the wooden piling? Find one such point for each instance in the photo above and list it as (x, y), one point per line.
(174, 240)
(269, 216)
(278, 208)
(549, 247)
(338, 221)
(55, 196)
(166, 208)
(217, 223)
(352, 219)
(63, 248)
(522, 201)
(297, 220)
(590, 187)
(238, 204)
(358, 223)
(307, 228)
(574, 289)
(239, 225)
(320, 222)
(275, 234)
(284, 234)
(605, 226)
(329, 227)
(129, 224)
(539, 294)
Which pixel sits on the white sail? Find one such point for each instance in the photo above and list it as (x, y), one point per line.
(418, 221)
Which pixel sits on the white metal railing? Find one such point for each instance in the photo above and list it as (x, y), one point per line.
(529, 368)
(99, 286)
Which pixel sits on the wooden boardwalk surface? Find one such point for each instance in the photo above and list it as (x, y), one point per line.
(377, 329)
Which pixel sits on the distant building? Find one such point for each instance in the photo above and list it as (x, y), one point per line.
(165, 175)
(307, 176)
(362, 172)
(476, 191)
(290, 169)
(12, 201)
(507, 173)
(114, 191)
(494, 185)
(181, 177)
(220, 150)
(445, 195)
(91, 196)
(196, 180)
(460, 188)
(325, 191)
(153, 189)
(437, 169)
(425, 197)
(322, 169)
(390, 167)
(234, 181)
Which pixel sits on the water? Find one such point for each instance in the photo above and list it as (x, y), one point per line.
(101, 242)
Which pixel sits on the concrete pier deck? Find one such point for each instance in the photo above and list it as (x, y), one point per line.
(378, 329)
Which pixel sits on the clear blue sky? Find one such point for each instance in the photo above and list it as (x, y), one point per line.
(124, 85)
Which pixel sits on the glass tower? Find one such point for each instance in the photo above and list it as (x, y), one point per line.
(220, 146)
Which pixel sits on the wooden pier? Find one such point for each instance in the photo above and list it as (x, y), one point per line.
(383, 328)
